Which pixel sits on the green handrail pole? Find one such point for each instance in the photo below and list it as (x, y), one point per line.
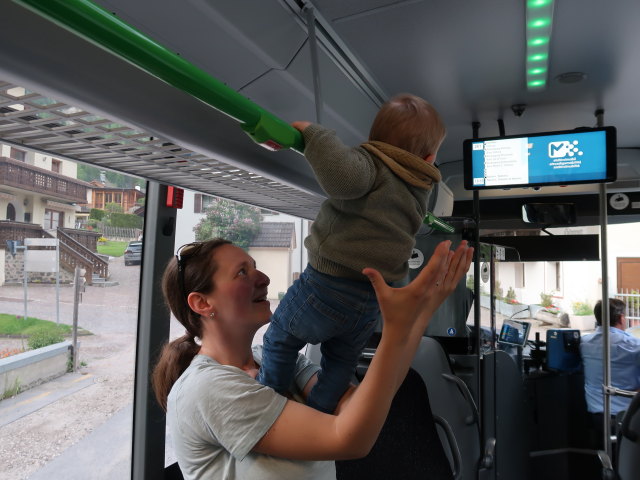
(437, 223)
(104, 29)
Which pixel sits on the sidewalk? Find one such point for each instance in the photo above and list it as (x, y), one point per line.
(103, 454)
(39, 397)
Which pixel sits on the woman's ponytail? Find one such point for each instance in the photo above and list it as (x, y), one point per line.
(175, 357)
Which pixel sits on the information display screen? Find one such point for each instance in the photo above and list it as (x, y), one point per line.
(552, 158)
(514, 332)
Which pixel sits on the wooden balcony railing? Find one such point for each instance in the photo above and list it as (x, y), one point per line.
(85, 237)
(19, 231)
(18, 174)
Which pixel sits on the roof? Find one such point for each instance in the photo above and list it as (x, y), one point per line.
(275, 234)
(98, 185)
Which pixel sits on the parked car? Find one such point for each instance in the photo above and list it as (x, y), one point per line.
(133, 253)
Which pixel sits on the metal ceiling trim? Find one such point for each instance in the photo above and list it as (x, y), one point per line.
(339, 51)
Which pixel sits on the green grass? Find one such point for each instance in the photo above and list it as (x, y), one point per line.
(12, 325)
(12, 391)
(113, 248)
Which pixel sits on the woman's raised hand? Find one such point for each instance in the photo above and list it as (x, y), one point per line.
(401, 307)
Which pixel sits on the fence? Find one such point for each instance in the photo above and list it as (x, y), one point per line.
(121, 233)
(632, 299)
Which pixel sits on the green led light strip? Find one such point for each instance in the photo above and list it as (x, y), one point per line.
(539, 22)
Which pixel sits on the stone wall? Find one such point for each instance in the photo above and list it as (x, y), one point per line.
(14, 271)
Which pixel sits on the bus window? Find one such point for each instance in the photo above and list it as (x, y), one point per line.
(50, 414)
(274, 240)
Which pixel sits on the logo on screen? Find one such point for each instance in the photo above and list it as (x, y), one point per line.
(563, 149)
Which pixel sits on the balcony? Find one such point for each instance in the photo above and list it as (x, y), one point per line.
(19, 231)
(14, 173)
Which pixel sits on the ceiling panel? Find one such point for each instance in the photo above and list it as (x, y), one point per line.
(467, 58)
(47, 125)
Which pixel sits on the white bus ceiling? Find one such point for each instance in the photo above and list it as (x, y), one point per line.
(467, 58)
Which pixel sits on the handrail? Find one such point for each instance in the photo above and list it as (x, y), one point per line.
(456, 469)
(92, 262)
(473, 415)
(618, 392)
(80, 248)
(92, 22)
(87, 238)
(71, 258)
(88, 20)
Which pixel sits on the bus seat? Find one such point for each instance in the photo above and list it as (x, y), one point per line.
(503, 413)
(628, 464)
(451, 400)
(173, 472)
(409, 445)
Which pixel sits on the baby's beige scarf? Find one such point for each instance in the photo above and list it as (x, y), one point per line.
(409, 167)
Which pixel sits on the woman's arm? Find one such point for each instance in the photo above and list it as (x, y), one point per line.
(303, 433)
(343, 401)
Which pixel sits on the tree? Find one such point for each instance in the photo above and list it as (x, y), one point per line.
(119, 180)
(236, 222)
(97, 214)
(113, 207)
(125, 220)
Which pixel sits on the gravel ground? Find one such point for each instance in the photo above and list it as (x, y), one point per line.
(33, 440)
(111, 314)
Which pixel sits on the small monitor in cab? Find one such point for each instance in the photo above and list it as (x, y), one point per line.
(514, 332)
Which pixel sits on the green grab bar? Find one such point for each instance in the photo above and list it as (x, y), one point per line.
(437, 224)
(104, 29)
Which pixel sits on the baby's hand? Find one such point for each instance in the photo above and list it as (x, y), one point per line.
(300, 125)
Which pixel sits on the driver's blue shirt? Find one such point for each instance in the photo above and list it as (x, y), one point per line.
(625, 367)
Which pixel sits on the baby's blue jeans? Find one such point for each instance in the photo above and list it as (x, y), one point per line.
(339, 313)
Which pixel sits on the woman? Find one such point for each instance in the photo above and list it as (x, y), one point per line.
(224, 424)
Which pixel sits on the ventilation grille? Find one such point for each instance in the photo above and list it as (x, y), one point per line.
(34, 121)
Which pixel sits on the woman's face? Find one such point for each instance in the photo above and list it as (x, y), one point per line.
(240, 289)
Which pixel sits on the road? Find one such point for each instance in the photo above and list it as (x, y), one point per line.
(78, 426)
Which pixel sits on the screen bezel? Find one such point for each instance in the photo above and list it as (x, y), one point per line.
(610, 163)
(527, 328)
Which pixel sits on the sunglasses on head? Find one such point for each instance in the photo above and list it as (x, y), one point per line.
(182, 254)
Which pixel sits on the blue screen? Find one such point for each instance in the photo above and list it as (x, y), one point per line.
(555, 159)
(514, 332)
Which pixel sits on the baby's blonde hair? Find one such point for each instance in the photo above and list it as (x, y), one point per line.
(411, 123)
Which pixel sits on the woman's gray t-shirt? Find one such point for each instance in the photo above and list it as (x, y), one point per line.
(217, 413)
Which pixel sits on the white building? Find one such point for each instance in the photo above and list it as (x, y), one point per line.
(39, 189)
(577, 281)
(40, 196)
(282, 268)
